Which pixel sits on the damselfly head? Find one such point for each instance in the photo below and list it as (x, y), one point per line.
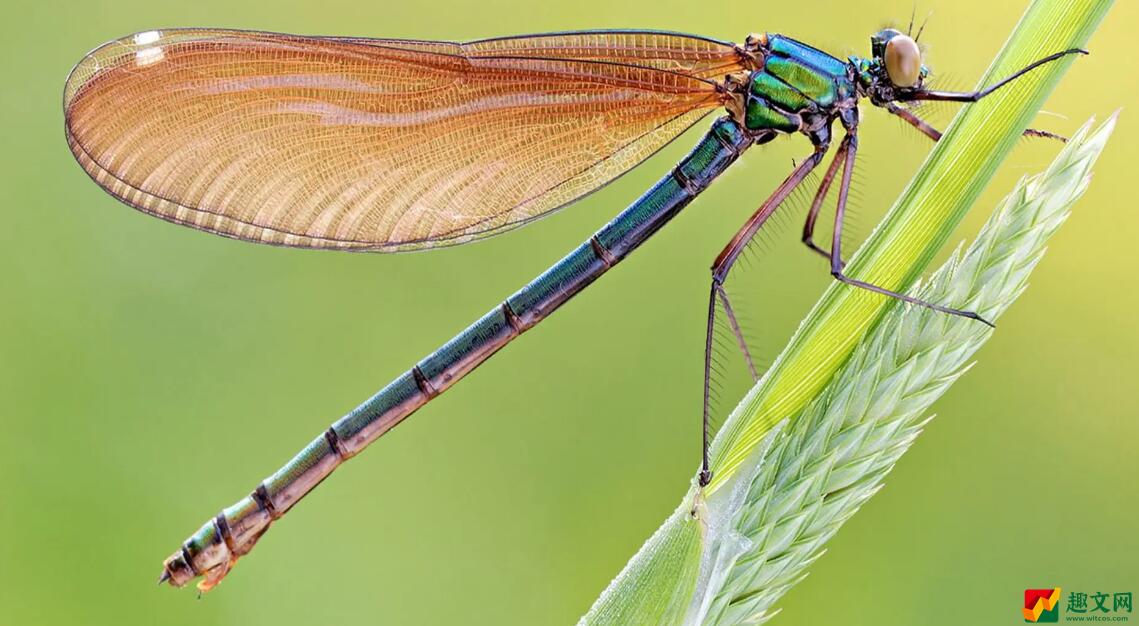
(899, 56)
(893, 69)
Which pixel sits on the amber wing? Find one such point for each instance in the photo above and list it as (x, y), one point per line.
(373, 144)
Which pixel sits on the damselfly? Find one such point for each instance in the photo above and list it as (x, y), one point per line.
(391, 145)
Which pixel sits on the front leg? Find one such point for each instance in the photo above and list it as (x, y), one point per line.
(973, 96)
(929, 131)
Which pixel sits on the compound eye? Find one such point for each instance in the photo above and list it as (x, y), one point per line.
(903, 61)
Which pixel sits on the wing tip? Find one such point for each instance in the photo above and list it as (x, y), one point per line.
(141, 48)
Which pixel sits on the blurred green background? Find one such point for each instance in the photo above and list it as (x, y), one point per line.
(150, 374)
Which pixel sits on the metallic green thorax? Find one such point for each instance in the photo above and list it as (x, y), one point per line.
(796, 82)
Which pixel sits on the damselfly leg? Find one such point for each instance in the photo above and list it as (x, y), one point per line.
(973, 96)
(720, 269)
(837, 264)
(928, 129)
(820, 197)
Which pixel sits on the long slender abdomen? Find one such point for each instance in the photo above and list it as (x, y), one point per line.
(212, 550)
